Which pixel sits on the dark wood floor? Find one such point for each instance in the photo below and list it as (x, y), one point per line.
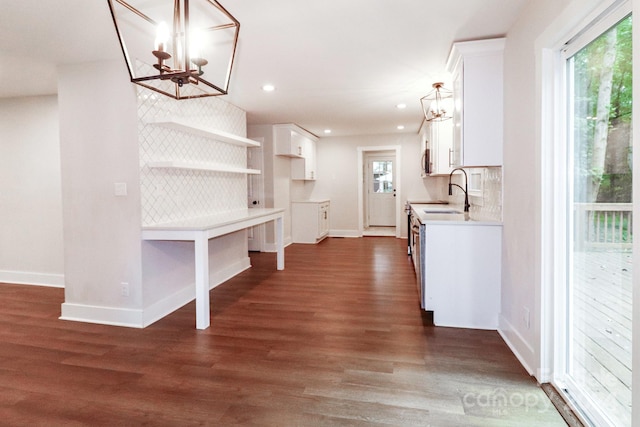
(337, 338)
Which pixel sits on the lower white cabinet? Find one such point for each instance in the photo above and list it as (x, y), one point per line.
(462, 274)
(309, 221)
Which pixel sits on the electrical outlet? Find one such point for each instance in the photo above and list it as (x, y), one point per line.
(526, 317)
(124, 289)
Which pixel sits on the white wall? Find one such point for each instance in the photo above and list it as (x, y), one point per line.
(31, 243)
(277, 182)
(338, 177)
(522, 275)
(99, 147)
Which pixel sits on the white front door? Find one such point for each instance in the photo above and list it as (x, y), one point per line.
(380, 190)
(255, 195)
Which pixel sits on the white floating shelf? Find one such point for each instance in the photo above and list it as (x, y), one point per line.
(218, 135)
(211, 167)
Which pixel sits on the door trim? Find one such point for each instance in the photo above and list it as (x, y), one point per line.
(256, 234)
(370, 156)
(362, 151)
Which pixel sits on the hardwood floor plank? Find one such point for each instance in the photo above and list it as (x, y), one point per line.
(337, 338)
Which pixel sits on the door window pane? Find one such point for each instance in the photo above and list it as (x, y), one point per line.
(600, 268)
(382, 176)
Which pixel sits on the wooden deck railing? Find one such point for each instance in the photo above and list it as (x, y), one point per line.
(603, 224)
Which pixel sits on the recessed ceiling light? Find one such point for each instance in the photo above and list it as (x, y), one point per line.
(401, 106)
(400, 127)
(268, 88)
(327, 131)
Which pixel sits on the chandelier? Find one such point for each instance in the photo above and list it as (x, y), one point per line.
(436, 105)
(180, 48)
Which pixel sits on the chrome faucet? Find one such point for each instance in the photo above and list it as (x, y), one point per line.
(466, 193)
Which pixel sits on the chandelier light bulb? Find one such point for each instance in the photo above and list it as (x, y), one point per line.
(195, 44)
(162, 36)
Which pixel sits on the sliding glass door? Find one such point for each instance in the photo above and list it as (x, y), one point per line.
(598, 312)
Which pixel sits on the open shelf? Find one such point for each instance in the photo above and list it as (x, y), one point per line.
(211, 167)
(217, 135)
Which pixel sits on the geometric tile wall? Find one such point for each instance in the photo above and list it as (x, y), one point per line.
(489, 204)
(176, 194)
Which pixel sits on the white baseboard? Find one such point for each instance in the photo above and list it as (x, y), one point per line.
(272, 247)
(31, 278)
(516, 344)
(344, 233)
(141, 318)
(113, 316)
(168, 305)
(225, 274)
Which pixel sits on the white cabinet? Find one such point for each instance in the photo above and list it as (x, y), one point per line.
(323, 219)
(462, 274)
(439, 137)
(305, 168)
(309, 221)
(295, 142)
(477, 71)
(288, 141)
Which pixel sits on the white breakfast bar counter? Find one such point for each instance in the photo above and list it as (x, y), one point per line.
(200, 230)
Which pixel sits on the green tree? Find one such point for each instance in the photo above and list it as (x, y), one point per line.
(602, 76)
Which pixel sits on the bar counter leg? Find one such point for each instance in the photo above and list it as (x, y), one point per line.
(202, 282)
(280, 243)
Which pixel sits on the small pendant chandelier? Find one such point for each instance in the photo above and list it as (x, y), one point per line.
(180, 48)
(436, 105)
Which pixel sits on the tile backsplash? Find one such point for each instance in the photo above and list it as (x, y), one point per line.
(485, 192)
(174, 194)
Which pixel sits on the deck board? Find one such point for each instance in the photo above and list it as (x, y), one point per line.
(602, 322)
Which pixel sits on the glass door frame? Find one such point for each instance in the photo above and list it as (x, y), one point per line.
(555, 249)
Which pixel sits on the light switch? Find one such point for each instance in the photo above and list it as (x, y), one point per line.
(120, 188)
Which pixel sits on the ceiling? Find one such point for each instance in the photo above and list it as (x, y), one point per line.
(336, 64)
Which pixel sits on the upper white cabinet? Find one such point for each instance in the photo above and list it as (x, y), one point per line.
(477, 71)
(439, 140)
(293, 141)
(288, 141)
(305, 168)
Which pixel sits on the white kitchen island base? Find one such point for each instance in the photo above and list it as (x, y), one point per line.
(200, 230)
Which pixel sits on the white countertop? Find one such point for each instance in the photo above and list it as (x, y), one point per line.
(448, 218)
(215, 220)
